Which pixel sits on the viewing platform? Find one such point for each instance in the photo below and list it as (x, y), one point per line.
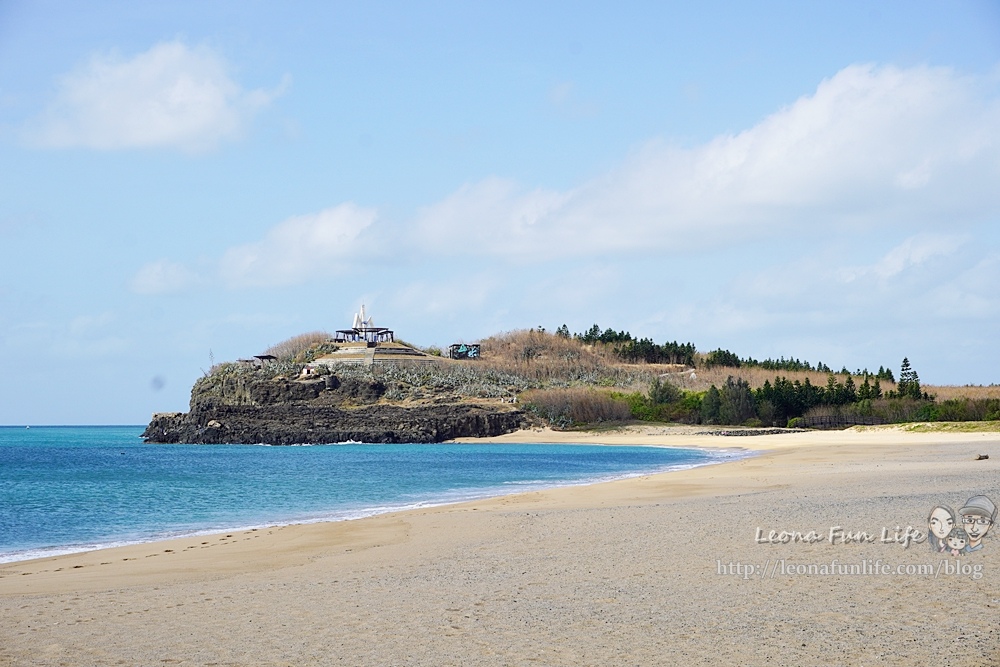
(365, 344)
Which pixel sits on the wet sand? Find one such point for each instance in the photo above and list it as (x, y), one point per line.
(645, 571)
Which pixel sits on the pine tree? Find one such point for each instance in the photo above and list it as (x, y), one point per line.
(736, 402)
(885, 374)
(830, 394)
(591, 335)
(850, 391)
(865, 390)
(909, 383)
(710, 406)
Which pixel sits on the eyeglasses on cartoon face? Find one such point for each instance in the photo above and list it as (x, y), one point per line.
(978, 520)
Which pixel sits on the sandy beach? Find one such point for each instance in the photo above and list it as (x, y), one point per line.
(676, 568)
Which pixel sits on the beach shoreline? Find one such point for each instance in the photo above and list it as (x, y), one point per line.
(632, 570)
(632, 435)
(445, 496)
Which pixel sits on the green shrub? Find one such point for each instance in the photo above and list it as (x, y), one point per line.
(662, 392)
(638, 404)
(710, 406)
(736, 401)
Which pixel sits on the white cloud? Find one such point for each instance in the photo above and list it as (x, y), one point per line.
(561, 93)
(873, 146)
(493, 215)
(299, 247)
(172, 95)
(970, 294)
(912, 252)
(925, 285)
(89, 336)
(915, 251)
(565, 99)
(86, 324)
(290, 253)
(821, 284)
(163, 277)
(14, 225)
(109, 346)
(446, 298)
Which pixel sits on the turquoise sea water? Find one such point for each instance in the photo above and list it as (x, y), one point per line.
(67, 489)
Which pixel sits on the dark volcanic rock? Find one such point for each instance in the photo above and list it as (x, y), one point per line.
(278, 411)
(293, 424)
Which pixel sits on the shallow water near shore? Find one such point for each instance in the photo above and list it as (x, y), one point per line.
(65, 489)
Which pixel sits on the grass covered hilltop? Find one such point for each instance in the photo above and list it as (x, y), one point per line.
(312, 389)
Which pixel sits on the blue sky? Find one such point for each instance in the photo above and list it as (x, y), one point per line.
(183, 179)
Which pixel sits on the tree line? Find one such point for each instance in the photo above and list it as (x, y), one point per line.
(633, 350)
(784, 402)
(729, 359)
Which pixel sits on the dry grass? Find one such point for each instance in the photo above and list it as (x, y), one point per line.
(953, 427)
(531, 349)
(703, 378)
(549, 359)
(577, 405)
(945, 392)
(541, 359)
(287, 350)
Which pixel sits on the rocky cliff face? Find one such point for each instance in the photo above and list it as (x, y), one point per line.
(249, 407)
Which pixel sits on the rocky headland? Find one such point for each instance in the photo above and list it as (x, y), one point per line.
(274, 404)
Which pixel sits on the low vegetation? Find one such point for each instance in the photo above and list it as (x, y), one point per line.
(954, 427)
(576, 406)
(602, 376)
(288, 350)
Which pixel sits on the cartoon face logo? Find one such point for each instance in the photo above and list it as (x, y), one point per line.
(957, 540)
(961, 533)
(940, 522)
(978, 515)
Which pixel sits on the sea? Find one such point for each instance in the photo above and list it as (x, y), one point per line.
(67, 489)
